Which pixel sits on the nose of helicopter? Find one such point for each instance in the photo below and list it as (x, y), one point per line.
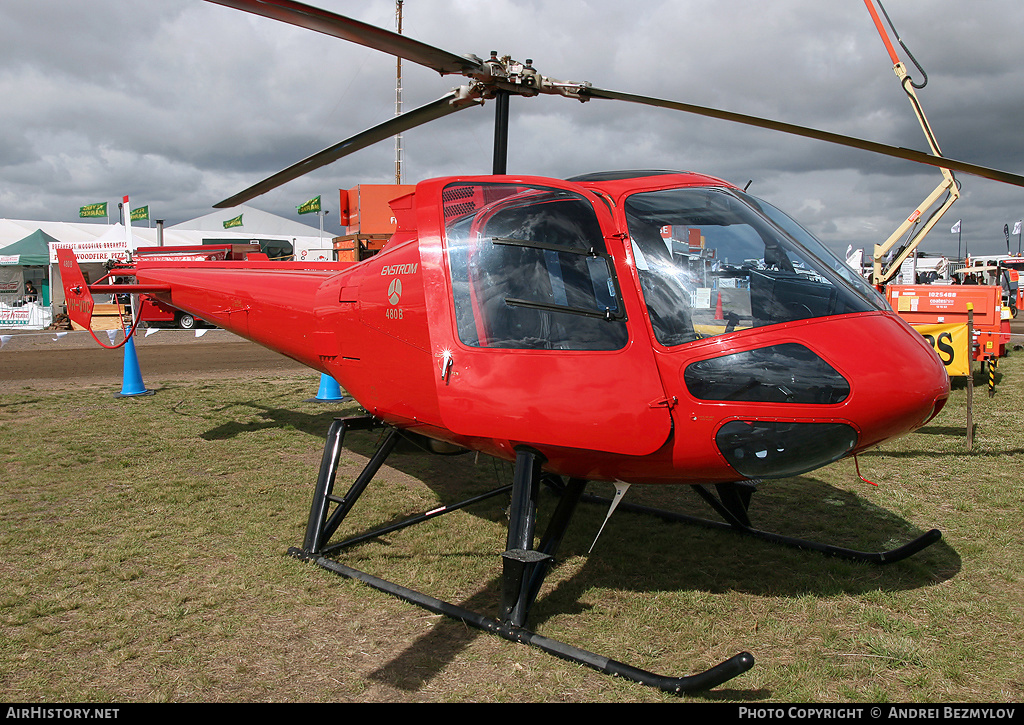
(792, 400)
(898, 382)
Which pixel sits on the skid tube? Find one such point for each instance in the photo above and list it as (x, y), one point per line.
(732, 502)
(523, 571)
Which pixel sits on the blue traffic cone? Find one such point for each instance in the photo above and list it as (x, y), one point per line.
(132, 384)
(329, 390)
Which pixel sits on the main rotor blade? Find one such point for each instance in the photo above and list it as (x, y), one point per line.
(417, 117)
(339, 26)
(898, 152)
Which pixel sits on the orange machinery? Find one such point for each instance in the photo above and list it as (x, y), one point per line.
(369, 221)
(930, 304)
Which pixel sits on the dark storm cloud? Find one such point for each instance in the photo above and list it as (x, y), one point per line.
(182, 103)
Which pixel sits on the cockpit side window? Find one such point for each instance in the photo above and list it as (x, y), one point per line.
(711, 263)
(530, 270)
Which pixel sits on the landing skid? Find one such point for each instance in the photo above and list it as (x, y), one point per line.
(524, 568)
(731, 503)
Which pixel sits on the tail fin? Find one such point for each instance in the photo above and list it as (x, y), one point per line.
(76, 290)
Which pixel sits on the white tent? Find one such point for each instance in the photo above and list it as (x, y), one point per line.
(253, 221)
(95, 244)
(248, 223)
(13, 230)
(307, 242)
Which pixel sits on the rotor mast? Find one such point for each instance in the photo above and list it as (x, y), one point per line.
(500, 162)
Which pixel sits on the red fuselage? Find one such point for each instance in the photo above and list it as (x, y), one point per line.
(648, 327)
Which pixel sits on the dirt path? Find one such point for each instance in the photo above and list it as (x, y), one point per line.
(75, 358)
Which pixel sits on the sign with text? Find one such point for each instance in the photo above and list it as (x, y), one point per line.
(952, 343)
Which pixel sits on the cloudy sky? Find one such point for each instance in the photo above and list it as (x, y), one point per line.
(182, 103)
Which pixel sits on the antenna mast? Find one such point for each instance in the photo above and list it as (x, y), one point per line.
(398, 97)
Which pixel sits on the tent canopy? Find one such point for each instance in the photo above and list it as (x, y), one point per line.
(33, 250)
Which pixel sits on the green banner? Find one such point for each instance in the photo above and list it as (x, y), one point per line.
(93, 210)
(236, 222)
(141, 213)
(310, 207)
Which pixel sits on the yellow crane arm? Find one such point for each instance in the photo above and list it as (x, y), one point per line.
(948, 186)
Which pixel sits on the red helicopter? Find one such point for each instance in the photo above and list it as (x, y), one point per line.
(636, 327)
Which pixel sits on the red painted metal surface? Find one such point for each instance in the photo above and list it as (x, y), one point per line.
(387, 330)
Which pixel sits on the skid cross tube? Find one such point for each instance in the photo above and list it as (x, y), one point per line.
(524, 568)
(413, 520)
(731, 505)
(520, 560)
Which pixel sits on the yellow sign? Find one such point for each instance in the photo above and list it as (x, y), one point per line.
(952, 343)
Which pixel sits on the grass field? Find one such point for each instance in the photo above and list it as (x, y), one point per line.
(144, 559)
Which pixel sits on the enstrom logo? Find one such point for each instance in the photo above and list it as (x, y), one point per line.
(395, 291)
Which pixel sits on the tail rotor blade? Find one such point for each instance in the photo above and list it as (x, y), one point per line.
(898, 152)
(443, 106)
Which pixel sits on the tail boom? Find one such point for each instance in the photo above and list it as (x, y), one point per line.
(271, 304)
(78, 294)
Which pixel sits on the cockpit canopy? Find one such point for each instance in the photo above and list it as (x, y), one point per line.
(530, 268)
(712, 260)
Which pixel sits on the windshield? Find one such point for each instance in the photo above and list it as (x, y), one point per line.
(712, 261)
(530, 269)
(813, 245)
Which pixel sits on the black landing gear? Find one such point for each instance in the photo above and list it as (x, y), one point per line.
(523, 567)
